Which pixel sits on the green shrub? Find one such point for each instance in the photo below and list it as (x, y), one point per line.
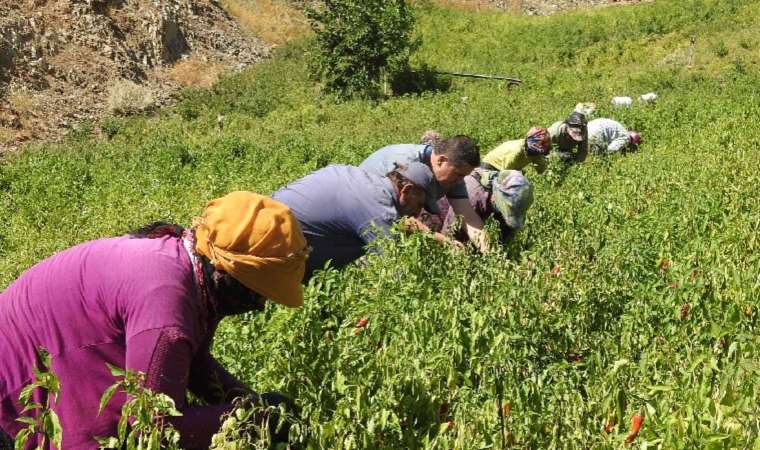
(361, 44)
(143, 424)
(110, 128)
(43, 423)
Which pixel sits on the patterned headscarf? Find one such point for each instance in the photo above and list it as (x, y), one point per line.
(538, 141)
(634, 138)
(512, 196)
(258, 241)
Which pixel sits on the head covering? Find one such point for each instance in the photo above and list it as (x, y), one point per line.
(421, 176)
(431, 137)
(538, 141)
(512, 195)
(256, 240)
(576, 125)
(634, 138)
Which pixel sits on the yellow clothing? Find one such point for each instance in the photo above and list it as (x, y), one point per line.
(511, 156)
(258, 241)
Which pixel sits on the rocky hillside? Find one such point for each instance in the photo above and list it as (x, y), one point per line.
(67, 61)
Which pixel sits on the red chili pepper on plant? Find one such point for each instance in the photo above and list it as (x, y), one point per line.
(636, 422)
(362, 323)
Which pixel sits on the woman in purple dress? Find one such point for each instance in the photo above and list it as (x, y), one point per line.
(149, 302)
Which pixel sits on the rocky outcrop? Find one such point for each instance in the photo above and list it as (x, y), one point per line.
(62, 55)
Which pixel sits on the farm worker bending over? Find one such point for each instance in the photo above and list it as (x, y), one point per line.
(610, 136)
(342, 209)
(148, 302)
(515, 155)
(506, 194)
(450, 161)
(570, 138)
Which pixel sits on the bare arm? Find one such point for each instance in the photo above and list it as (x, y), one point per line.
(411, 224)
(472, 221)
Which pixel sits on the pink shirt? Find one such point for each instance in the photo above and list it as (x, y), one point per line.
(125, 301)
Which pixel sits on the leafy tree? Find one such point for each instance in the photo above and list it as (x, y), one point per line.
(361, 44)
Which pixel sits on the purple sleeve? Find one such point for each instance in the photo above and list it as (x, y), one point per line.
(165, 356)
(212, 382)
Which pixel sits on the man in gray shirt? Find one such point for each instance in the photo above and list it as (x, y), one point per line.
(450, 160)
(342, 209)
(610, 136)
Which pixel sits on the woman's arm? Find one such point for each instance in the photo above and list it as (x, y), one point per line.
(472, 221)
(411, 224)
(210, 381)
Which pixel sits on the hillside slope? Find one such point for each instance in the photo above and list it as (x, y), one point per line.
(634, 288)
(63, 61)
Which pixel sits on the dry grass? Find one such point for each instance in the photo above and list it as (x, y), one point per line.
(8, 137)
(271, 20)
(22, 103)
(127, 97)
(17, 119)
(196, 72)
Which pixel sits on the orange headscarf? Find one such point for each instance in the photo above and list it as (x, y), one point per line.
(256, 240)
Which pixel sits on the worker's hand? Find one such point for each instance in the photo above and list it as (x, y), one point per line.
(456, 245)
(412, 224)
(268, 407)
(480, 239)
(236, 393)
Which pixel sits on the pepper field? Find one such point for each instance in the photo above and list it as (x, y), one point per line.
(633, 290)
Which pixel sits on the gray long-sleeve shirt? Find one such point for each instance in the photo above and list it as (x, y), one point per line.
(607, 136)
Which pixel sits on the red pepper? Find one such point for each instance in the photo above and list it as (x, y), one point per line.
(362, 323)
(685, 308)
(609, 426)
(636, 422)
